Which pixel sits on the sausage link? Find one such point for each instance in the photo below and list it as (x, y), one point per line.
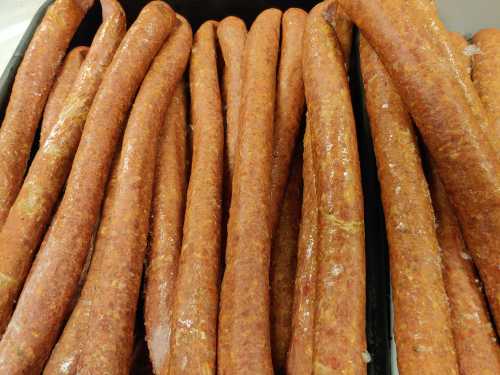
(66, 245)
(244, 332)
(300, 355)
(421, 311)
(32, 209)
(466, 161)
(166, 230)
(61, 89)
(486, 76)
(232, 35)
(283, 267)
(194, 340)
(343, 28)
(32, 85)
(475, 340)
(340, 285)
(463, 57)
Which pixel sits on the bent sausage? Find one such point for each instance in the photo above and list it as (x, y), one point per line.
(244, 335)
(33, 82)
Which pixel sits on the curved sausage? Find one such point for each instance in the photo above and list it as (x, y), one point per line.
(475, 340)
(486, 74)
(61, 89)
(244, 334)
(340, 284)
(466, 161)
(283, 267)
(194, 341)
(421, 311)
(34, 79)
(32, 209)
(300, 354)
(232, 35)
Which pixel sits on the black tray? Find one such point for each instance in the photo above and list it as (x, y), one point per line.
(196, 11)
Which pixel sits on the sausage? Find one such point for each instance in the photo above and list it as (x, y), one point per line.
(166, 230)
(194, 340)
(463, 57)
(32, 209)
(343, 29)
(466, 161)
(283, 267)
(475, 340)
(300, 354)
(340, 284)
(487, 79)
(290, 102)
(244, 332)
(34, 79)
(66, 245)
(231, 34)
(61, 89)
(421, 311)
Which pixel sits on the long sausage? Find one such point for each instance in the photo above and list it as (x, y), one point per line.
(300, 354)
(244, 317)
(422, 322)
(194, 341)
(59, 263)
(283, 267)
(167, 218)
(32, 85)
(340, 284)
(475, 340)
(32, 209)
(61, 89)
(466, 161)
(232, 35)
(486, 75)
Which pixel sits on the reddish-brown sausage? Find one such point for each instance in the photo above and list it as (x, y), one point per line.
(61, 89)
(32, 85)
(466, 160)
(422, 323)
(32, 210)
(340, 284)
(244, 335)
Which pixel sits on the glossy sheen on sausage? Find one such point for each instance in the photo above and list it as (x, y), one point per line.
(61, 89)
(300, 354)
(194, 341)
(34, 79)
(283, 267)
(67, 244)
(422, 322)
(486, 75)
(244, 334)
(463, 56)
(340, 285)
(32, 210)
(466, 161)
(475, 340)
(167, 217)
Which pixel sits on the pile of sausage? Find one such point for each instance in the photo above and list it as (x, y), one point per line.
(235, 244)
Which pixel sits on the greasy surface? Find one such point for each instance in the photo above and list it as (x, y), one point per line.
(465, 159)
(65, 247)
(486, 74)
(475, 340)
(32, 85)
(231, 34)
(463, 56)
(32, 210)
(167, 218)
(422, 323)
(283, 267)
(340, 285)
(300, 355)
(194, 340)
(290, 102)
(244, 334)
(61, 89)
